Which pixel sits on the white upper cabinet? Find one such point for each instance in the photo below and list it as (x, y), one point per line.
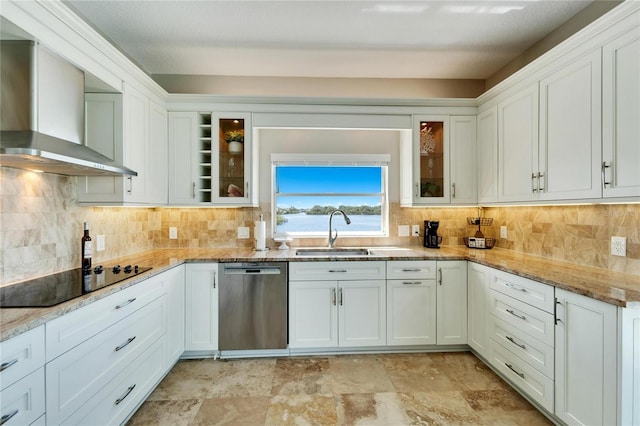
(210, 161)
(570, 133)
(518, 145)
(621, 116)
(131, 129)
(183, 157)
(464, 188)
(487, 181)
(439, 162)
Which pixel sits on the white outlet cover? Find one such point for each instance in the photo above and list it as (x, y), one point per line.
(100, 243)
(503, 232)
(173, 233)
(243, 232)
(415, 230)
(403, 230)
(618, 246)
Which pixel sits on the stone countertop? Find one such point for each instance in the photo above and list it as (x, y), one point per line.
(612, 287)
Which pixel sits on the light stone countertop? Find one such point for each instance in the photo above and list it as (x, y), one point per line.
(612, 287)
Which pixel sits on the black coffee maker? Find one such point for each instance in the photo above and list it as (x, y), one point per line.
(431, 233)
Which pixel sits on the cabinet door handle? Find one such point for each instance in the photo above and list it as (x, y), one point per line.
(130, 190)
(125, 344)
(510, 367)
(411, 270)
(213, 279)
(540, 187)
(8, 364)
(6, 417)
(605, 166)
(193, 190)
(411, 282)
(533, 183)
(417, 191)
(333, 296)
(246, 191)
(126, 394)
(340, 297)
(122, 305)
(512, 340)
(453, 190)
(440, 276)
(515, 287)
(522, 317)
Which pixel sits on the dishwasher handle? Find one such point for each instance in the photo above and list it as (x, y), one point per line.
(253, 271)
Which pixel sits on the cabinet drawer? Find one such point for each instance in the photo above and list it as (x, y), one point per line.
(77, 326)
(535, 353)
(76, 376)
(116, 401)
(532, 321)
(528, 291)
(23, 401)
(340, 270)
(420, 269)
(21, 355)
(522, 375)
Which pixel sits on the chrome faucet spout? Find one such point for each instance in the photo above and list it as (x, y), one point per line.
(332, 237)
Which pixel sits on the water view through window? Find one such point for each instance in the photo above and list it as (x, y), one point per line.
(306, 195)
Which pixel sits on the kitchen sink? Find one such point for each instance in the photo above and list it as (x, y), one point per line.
(346, 252)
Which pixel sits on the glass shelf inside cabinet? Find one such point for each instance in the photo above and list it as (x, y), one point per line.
(431, 159)
(231, 158)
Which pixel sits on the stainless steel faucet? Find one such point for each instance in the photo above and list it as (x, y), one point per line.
(332, 238)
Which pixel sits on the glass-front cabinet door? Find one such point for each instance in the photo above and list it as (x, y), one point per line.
(431, 159)
(224, 158)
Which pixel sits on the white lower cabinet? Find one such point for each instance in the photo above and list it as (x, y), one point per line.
(451, 296)
(174, 281)
(201, 319)
(478, 308)
(411, 312)
(586, 360)
(344, 306)
(23, 402)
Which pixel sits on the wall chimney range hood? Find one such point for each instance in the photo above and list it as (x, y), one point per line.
(42, 114)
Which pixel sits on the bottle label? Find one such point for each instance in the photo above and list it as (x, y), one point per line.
(88, 249)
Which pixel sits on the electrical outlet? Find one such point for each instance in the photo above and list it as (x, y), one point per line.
(173, 233)
(100, 243)
(243, 232)
(415, 230)
(618, 246)
(503, 232)
(403, 230)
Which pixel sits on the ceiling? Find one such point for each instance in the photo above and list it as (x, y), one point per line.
(381, 39)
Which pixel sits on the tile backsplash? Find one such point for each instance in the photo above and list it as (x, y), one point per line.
(41, 227)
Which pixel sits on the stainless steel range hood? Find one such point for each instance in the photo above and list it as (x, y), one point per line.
(42, 114)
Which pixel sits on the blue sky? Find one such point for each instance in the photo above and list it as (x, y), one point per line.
(319, 179)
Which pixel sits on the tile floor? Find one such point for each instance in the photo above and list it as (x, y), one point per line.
(388, 389)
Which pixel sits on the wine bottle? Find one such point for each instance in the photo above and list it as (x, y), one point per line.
(87, 249)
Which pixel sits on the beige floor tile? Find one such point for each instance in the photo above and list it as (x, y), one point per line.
(232, 411)
(302, 410)
(438, 408)
(359, 374)
(169, 413)
(504, 407)
(467, 372)
(243, 377)
(307, 376)
(371, 409)
(417, 373)
(188, 379)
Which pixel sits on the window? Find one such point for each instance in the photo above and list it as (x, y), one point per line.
(307, 188)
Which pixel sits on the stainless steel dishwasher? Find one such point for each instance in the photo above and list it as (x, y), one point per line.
(252, 306)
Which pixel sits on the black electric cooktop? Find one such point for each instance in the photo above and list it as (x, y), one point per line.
(60, 287)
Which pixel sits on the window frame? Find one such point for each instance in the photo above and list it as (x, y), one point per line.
(345, 160)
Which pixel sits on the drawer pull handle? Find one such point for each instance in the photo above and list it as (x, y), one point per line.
(6, 417)
(515, 287)
(512, 340)
(122, 346)
(510, 367)
(411, 282)
(411, 270)
(123, 397)
(122, 305)
(522, 317)
(338, 270)
(8, 364)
